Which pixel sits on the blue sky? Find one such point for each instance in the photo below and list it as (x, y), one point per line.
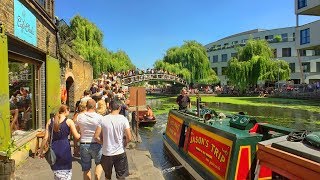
(145, 29)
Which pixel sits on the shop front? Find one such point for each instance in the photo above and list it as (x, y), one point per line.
(30, 76)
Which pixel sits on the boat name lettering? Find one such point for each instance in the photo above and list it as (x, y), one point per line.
(219, 154)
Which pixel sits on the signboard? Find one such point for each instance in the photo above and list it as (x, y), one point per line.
(174, 126)
(210, 150)
(25, 23)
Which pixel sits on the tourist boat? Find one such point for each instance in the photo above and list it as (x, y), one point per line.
(210, 147)
(142, 121)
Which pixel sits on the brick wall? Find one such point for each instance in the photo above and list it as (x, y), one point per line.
(81, 71)
(45, 27)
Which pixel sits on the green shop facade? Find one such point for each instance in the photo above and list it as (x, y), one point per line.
(30, 73)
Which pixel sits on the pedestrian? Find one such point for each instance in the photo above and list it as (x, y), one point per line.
(116, 134)
(149, 115)
(87, 123)
(82, 107)
(62, 169)
(183, 100)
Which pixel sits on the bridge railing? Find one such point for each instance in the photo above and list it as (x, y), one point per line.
(127, 80)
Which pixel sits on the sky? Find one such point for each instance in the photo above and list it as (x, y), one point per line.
(146, 29)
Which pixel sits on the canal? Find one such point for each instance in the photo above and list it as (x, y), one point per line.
(152, 137)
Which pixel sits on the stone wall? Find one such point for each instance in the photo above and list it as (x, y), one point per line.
(79, 70)
(46, 36)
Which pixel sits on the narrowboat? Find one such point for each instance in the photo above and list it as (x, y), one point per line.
(212, 147)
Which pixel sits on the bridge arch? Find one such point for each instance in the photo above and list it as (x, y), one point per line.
(130, 80)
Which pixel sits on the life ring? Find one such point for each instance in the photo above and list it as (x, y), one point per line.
(64, 95)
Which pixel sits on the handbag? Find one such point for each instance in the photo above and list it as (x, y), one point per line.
(50, 155)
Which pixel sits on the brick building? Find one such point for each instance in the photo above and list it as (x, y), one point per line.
(33, 71)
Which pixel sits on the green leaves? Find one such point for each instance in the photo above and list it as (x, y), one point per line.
(192, 63)
(88, 43)
(255, 63)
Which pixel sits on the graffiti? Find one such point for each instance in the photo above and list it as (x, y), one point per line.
(3, 99)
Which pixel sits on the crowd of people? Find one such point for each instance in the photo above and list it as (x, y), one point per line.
(100, 129)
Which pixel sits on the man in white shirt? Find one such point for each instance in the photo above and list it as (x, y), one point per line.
(87, 123)
(114, 127)
(86, 96)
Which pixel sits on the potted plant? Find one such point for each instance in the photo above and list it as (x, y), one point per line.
(7, 165)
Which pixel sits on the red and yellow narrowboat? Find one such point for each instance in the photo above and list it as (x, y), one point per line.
(214, 148)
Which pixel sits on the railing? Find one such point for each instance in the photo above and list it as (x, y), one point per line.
(128, 80)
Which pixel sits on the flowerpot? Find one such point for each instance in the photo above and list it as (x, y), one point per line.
(7, 169)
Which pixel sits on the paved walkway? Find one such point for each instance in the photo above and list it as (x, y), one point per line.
(140, 167)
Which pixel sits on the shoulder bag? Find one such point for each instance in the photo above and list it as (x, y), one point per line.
(50, 155)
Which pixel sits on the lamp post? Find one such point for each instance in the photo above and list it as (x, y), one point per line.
(278, 74)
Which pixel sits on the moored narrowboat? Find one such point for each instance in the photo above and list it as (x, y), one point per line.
(210, 147)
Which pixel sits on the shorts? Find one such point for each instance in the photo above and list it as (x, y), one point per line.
(62, 174)
(120, 163)
(88, 152)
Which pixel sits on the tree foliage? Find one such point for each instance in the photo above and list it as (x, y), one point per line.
(88, 43)
(254, 62)
(190, 57)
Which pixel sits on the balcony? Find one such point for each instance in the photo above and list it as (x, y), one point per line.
(307, 7)
(313, 41)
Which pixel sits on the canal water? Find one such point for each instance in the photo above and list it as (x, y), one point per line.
(152, 137)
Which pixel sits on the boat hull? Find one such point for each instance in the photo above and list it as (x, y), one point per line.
(212, 151)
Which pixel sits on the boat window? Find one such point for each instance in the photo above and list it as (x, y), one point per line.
(183, 135)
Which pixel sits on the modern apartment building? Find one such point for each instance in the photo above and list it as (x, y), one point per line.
(299, 46)
(308, 39)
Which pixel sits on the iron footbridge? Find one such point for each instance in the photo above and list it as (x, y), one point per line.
(130, 80)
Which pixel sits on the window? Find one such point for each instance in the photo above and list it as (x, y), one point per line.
(234, 55)
(22, 85)
(243, 41)
(42, 3)
(302, 52)
(305, 36)
(224, 71)
(234, 42)
(306, 66)
(209, 58)
(292, 67)
(224, 57)
(302, 4)
(215, 70)
(269, 38)
(275, 53)
(293, 36)
(318, 66)
(317, 52)
(286, 52)
(215, 58)
(284, 37)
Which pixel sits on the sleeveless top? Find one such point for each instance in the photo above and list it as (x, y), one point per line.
(61, 147)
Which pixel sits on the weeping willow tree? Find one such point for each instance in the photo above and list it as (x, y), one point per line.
(192, 57)
(88, 43)
(175, 68)
(254, 62)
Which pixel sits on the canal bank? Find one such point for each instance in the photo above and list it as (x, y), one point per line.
(141, 166)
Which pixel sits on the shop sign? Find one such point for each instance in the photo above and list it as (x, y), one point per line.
(25, 24)
(210, 150)
(174, 126)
